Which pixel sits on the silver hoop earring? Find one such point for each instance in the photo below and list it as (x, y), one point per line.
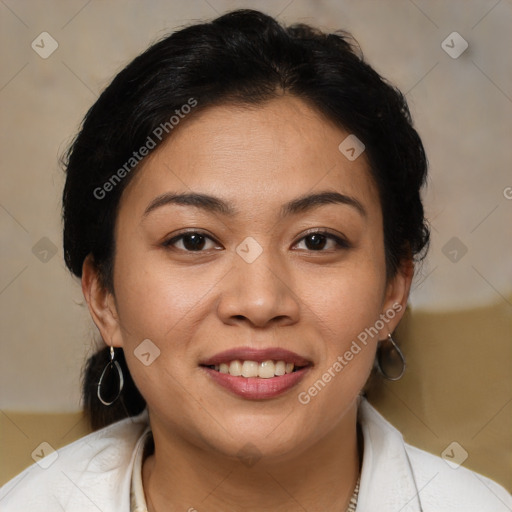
(112, 371)
(393, 356)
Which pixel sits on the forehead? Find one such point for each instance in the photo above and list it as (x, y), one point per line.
(254, 156)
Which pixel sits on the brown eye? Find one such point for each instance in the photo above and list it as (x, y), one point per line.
(315, 242)
(321, 241)
(191, 242)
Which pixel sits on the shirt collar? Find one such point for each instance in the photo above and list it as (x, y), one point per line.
(387, 481)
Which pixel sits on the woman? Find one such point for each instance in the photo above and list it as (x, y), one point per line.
(243, 208)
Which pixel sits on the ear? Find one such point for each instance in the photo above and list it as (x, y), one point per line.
(101, 304)
(396, 296)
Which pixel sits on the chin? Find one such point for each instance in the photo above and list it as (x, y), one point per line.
(254, 443)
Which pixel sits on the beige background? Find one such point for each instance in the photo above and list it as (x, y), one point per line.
(463, 111)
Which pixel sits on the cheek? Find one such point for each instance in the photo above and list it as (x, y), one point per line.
(153, 298)
(345, 306)
(344, 318)
(158, 305)
(347, 299)
(165, 304)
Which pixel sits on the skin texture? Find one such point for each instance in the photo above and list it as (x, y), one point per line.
(193, 305)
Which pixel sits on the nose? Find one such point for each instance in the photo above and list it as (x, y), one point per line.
(259, 293)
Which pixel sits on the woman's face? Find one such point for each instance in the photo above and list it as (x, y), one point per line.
(252, 276)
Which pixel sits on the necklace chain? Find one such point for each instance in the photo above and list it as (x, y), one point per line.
(351, 506)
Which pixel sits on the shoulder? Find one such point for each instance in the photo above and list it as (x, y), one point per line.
(446, 485)
(90, 473)
(426, 482)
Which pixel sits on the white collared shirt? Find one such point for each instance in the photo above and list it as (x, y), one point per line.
(96, 473)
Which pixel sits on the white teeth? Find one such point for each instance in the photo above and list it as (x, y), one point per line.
(264, 370)
(250, 369)
(235, 368)
(280, 368)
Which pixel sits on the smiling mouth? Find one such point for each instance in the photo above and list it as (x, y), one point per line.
(251, 369)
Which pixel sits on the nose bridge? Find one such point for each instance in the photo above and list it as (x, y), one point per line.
(259, 288)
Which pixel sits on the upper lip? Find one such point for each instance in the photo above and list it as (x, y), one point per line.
(258, 355)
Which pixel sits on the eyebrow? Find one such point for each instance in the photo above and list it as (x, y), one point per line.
(216, 205)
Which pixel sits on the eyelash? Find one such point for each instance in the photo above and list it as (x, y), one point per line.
(341, 243)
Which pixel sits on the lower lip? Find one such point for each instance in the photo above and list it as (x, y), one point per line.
(254, 388)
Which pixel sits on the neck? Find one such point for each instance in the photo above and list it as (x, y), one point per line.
(179, 476)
